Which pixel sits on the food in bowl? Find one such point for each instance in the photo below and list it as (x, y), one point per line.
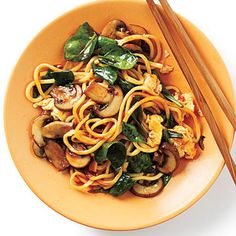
(107, 115)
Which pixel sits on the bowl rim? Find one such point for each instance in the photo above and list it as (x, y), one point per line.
(94, 225)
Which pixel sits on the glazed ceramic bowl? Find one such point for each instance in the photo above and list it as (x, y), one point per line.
(191, 180)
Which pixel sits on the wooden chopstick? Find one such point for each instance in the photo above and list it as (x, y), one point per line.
(197, 58)
(196, 91)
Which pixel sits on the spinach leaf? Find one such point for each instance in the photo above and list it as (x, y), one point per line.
(117, 56)
(131, 132)
(137, 117)
(106, 48)
(138, 113)
(125, 85)
(115, 152)
(166, 178)
(168, 134)
(81, 46)
(48, 75)
(44, 87)
(62, 77)
(107, 73)
(166, 93)
(140, 163)
(168, 122)
(103, 41)
(123, 184)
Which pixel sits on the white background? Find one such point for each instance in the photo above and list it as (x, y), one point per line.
(22, 213)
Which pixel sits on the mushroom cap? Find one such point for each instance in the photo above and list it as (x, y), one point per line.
(112, 27)
(171, 158)
(65, 97)
(38, 151)
(37, 126)
(136, 29)
(113, 107)
(56, 129)
(56, 155)
(148, 191)
(77, 161)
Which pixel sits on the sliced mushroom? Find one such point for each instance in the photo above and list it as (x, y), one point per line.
(112, 27)
(38, 123)
(169, 147)
(56, 129)
(121, 34)
(201, 142)
(77, 161)
(158, 158)
(171, 158)
(38, 151)
(98, 93)
(133, 47)
(65, 97)
(170, 163)
(56, 155)
(113, 107)
(147, 191)
(136, 29)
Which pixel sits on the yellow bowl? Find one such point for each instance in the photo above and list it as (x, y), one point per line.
(128, 212)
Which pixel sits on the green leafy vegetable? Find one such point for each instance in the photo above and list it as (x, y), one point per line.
(166, 93)
(103, 41)
(62, 77)
(125, 85)
(168, 122)
(123, 185)
(140, 163)
(168, 134)
(117, 56)
(81, 46)
(48, 75)
(166, 178)
(44, 87)
(137, 117)
(115, 152)
(131, 132)
(107, 73)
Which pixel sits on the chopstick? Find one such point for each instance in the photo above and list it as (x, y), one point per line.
(197, 58)
(196, 91)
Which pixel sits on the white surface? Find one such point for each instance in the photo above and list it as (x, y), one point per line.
(22, 213)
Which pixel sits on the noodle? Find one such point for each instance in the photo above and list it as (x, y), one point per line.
(139, 120)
